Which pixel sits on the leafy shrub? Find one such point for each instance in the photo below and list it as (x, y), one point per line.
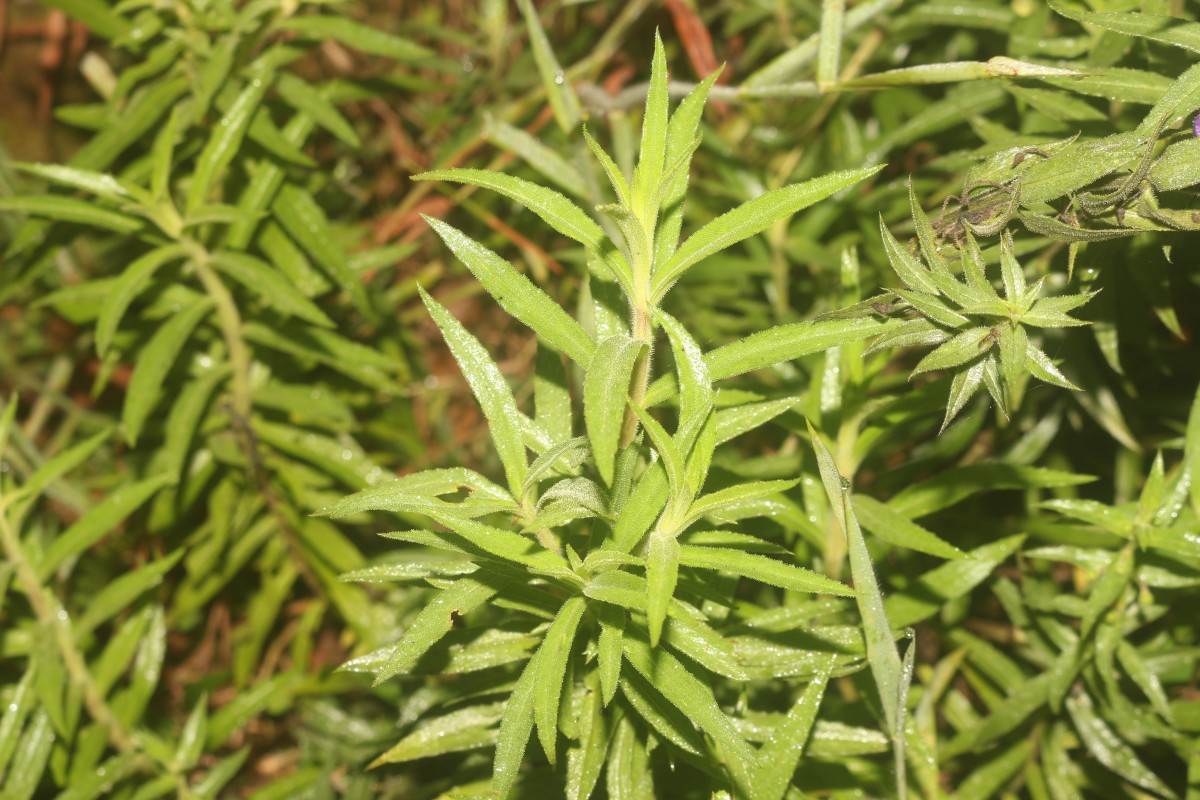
(762, 548)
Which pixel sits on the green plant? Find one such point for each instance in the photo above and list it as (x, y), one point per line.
(1024, 569)
(211, 268)
(597, 557)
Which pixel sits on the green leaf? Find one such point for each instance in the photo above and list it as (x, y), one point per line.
(652, 156)
(132, 281)
(615, 178)
(911, 271)
(696, 394)
(517, 295)
(1191, 451)
(781, 755)
(1042, 368)
(154, 362)
(98, 521)
(1107, 747)
(612, 631)
(515, 729)
(892, 527)
(963, 347)
(304, 98)
(673, 462)
(465, 729)
(432, 623)
(662, 571)
(68, 209)
(226, 142)
(954, 579)
(97, 183)
(553, 411)
(356, 35)
(688, 694)
(734, 495)
(774, 346)
(605, 392)
(270, 284)
(541, 157)
(193, 735)
(491, 390)
(99, 17)
(881, 646)
(761, 568)
(300, 215)
(551, 671)
(562, 97)
(682, 131)
(947, 488)
(1168, 30)
(21, 702)
(750, 218)
(556, 210)
(117, 595)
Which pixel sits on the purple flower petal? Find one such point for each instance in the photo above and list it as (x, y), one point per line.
(1196, 126)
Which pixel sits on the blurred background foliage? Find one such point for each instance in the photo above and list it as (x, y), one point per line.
(202, 616)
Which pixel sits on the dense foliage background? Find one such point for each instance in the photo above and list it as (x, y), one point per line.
(211, 330)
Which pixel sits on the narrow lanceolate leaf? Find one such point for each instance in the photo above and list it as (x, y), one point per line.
(517, 294)
(555, 209)
(750, 218)
(98, 183)
(897, 529)
(300, 95)
(154, 362)
(1191, 451)
(561, 95)
(788, 342)
(907, 266)
(605, 390)
(433, 622)
(355, 34)
(761, 568)
(493, 392)
(964, 386)
(468, 728)
(653, 153)
(98, 521)
(552, 659)
(780, 756)
(608, 658)
(1110, 749)
(1042, 368)
(881, 646)
(966, 346)
(133, 280)
(515, 729)
(692, 697)
(682, 131)
(662, 571)
(734, 495)
(695, 385)
(270, 284)
(227, 139)
(69, 209)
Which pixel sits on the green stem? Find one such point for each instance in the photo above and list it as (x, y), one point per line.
(51, 614)
(641, 372)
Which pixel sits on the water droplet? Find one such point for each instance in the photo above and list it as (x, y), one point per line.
(347, 455)
(559, 79)
(845, 483)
